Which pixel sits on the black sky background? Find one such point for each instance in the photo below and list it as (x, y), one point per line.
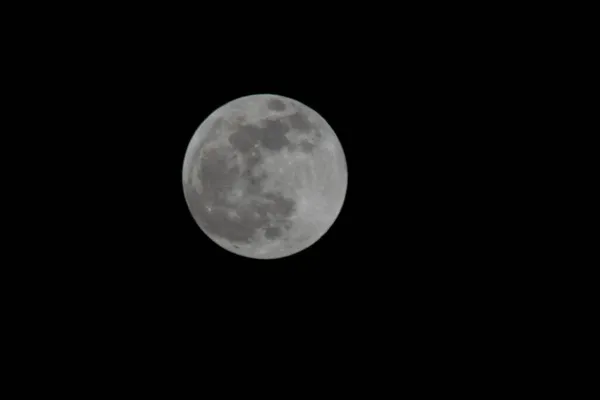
(424, 111)
(418, 130)
(430, 264)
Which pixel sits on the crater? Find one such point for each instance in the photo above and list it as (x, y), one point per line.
(300, 122)
(274, 135)
(216, 174)
(214, 130)
(271, 135)
(272, 232)
(276, 105)
(245, 138)
(306, 146)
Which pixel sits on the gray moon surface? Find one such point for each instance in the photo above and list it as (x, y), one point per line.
(264, 176)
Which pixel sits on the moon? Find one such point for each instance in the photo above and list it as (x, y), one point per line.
(264, 176)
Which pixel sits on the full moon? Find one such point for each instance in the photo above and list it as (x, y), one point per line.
(264, 176)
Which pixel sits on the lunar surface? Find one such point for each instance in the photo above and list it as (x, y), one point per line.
(264, 176)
